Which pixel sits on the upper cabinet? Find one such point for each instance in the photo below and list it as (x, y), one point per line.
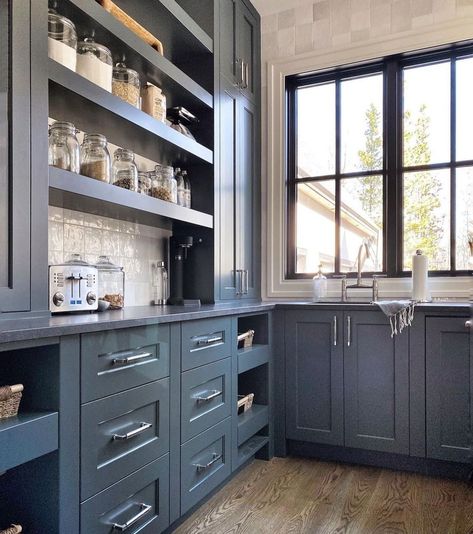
(14, 157)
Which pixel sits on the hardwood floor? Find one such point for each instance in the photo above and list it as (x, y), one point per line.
(293, 496)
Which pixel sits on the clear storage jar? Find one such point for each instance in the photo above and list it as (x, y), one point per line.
(64, 148)
(94, 62)
(168, 173)
(161, 186)
(111, 283)
(124, 170)
(144, 183)
(126, 84)
(95, 157)
(62, 40)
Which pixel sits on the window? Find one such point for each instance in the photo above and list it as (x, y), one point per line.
(378, 158)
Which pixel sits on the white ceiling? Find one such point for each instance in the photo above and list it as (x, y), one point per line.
(266, 7)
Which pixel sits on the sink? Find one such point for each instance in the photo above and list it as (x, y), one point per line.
(349, 300)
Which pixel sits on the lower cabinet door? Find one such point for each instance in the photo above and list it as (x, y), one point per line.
(449, 388)
(205, 463)
(137, 504)
(122, 433)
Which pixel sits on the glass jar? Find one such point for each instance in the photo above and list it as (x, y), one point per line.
(187, 189)
(181, 188)
(64, 148)
(62, 40)
(160, 184)
(94, 62)
(144, 183)
(161, 285)
(111, 282)
(95, 160)
(126, 84)
(124, 169)
(168, 173)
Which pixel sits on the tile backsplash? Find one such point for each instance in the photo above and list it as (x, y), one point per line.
(134, 246)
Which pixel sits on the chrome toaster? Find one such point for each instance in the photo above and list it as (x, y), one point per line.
(73, 286)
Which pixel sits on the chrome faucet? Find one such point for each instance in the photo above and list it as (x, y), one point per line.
(363, 255)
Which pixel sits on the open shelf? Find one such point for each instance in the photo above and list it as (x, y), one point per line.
(251, 422)
(176, 146)
(250, 447)
(182, 37)
(74, 191)
(27, 437)
(252, 357)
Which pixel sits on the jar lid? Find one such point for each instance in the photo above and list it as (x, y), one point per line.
(55, 20)
(121, 70)
(88, 45)
(95, 138)
(105, 264)
(76, 259)
(63, 125)
(124, 153)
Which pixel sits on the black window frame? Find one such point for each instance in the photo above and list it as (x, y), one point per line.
(392, 67)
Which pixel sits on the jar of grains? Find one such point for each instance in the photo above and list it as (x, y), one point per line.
(95, 157)
(111, 282)
(62, 40)
(126, 84)
(94, 62)
(160, 184)
(169, 173)
(64, 149)
(144, 183)
(124, 170)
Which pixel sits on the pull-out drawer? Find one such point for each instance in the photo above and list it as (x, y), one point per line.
(205, 397)
(205, 341)
(117, 360)
(122, 433)
(138, 503)
(205, 463)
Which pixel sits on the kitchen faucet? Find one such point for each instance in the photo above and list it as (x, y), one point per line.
(363, 254)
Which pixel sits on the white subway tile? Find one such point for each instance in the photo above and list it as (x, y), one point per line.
(73, 239)
(73, 217)
(55, 214)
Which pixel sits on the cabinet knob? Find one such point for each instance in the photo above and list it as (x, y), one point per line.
(468, 324)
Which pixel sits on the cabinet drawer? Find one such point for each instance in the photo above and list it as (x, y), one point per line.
(205, 463)
(205, 397)
(122, 433)
(205, 341)
(141, 499)
(117, 360)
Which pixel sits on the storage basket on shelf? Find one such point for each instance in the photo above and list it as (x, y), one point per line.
(10, 397)
(14, 529)
(245, 402)
(245, 340)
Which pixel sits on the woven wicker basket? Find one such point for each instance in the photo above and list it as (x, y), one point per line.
(10, 397)
(14, 529)
(245, 402)
(246, 340)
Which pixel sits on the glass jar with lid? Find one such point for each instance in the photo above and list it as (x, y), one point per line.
(126, 84)
(94, 62)
(64, 148)
(124, 170)
(95, 157)
(144, 183)
(111, 282)
(62, 40)
(160, 184)
(168, 173)
(187, 189)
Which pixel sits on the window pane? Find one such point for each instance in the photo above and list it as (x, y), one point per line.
(426, 212)
(315, 226)
(464, 104)
(316, 130)
(426, 119)
(361, 215)
(464, 219)
(362, 124)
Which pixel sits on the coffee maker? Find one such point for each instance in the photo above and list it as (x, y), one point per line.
(179, 261)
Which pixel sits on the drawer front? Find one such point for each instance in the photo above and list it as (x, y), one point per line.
(117, 360)
(205, 397)
(122, 433)
(140, 500)
(205, 341)
(205, 463)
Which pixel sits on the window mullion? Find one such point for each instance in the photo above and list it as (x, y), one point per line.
(453, 157)
(337, 172)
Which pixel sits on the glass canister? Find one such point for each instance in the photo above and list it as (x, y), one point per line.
(126, 84)
(95, 157)
(160, 184)
(62, 40)
(124, 169)
(64, 148)
(161, 285)
(181, 188)
(168, 173)
(94, 62)
(144, 183)
(187, 189)
(111, 283)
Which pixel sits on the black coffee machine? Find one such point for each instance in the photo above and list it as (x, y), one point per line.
(179, 250)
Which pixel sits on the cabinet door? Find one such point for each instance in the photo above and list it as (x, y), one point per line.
(14, 157)
(376, 384)
(229, 66)
(248, 52)
(314, 377)
(449, 384)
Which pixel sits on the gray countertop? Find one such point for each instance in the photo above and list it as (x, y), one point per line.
(12, 330)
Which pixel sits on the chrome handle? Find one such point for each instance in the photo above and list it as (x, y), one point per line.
(210, 340)
(239, 282)
(212, 395)
(348, 331)
(468, 324)
(335, 330)
(241, 81)
(202, 467)
(127, 360)
(247, 75)
(123, 437)
(246, 284)
(145, 509)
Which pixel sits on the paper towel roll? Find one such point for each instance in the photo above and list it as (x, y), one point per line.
(420, 277)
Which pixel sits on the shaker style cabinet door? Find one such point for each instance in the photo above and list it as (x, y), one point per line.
(248, 61)
(449, 387)
(229, 65)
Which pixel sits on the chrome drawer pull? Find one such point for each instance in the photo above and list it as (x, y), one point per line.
(348, 331)
(142, 428)
(215, 458)
(145, 509)
(212, 395)
(335, 330)
(127, 360)
(210, 340)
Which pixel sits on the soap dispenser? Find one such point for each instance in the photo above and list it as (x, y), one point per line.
(319, 286)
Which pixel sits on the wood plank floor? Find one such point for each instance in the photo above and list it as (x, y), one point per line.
(294, 495)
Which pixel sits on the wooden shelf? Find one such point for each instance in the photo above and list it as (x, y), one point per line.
(181, 36)
(27, 437)
(248, 449)
(251, 422)
(252, 357)
(74, 191)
